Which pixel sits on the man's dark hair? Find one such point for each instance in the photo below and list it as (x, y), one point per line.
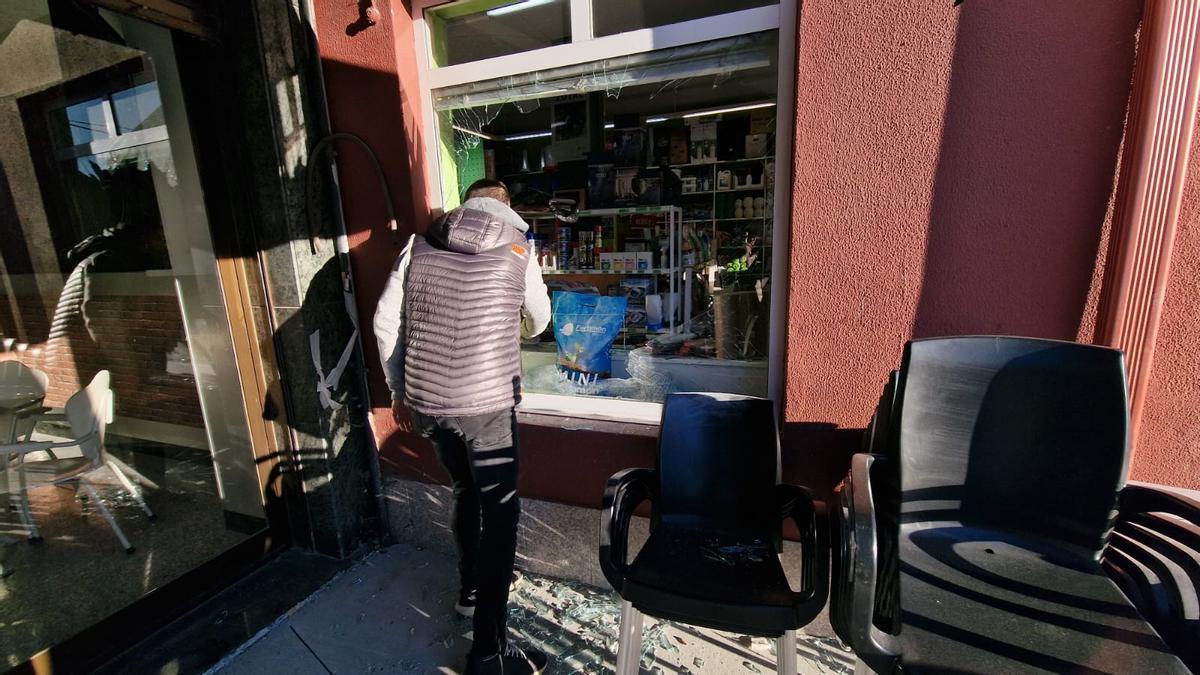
(488, 187)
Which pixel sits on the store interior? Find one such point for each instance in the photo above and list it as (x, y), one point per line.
(669, 160)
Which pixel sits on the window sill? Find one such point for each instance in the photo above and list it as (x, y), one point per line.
(574, 411)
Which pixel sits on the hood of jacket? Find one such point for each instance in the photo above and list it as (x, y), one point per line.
(479, 224)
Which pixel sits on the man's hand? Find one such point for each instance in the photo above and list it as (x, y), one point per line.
(401, 416)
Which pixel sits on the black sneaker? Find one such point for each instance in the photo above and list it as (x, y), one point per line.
(512, 661)
(466, 598)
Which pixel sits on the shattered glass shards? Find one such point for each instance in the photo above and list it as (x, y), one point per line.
(734, 554)
(578, 627)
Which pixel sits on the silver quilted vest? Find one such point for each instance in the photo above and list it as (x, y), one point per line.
(463, 296)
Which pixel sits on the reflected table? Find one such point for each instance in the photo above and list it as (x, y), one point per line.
(18, 401)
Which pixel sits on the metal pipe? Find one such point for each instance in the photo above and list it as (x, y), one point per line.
(341, 246)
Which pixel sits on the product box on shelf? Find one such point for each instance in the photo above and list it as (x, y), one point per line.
(629, 147)
(703, 142)
(756, 145)
(601, 185)
(762, 121)
(637, 289)
(635, 319)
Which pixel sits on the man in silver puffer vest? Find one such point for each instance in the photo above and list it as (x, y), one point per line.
(449, 325)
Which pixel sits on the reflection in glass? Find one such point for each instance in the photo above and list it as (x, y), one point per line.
(617, 16)
(108, 286)
(482, 29)
(137, 108)
(87, 122)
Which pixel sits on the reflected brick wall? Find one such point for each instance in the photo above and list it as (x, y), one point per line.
(136, 337)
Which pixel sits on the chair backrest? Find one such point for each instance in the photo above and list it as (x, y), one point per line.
(18, 379)
(878, 436)
(89, 411)
(1021, 434)
(718, 462)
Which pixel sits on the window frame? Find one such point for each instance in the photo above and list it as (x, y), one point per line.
(584, 47)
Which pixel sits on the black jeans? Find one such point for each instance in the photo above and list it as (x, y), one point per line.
(480, 453)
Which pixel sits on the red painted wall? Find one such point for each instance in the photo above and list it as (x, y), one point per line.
(1169, 443)
(373, 97)
(952, 175)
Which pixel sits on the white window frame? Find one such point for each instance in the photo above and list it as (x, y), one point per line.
(585, 47)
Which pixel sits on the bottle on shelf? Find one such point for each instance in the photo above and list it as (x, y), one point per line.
(564, 248)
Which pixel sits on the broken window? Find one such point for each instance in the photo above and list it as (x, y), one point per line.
(669, 157)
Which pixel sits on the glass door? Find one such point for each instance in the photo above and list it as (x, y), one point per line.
(109, 287)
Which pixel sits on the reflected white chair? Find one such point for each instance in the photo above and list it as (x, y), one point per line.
(87, 412)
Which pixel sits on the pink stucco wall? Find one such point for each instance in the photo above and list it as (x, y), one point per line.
(952, 175)
(1169, 439)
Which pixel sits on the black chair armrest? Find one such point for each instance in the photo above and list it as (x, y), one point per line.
(624, 492)
(872, 645)
(1138, 498)
(796, 504)
(1154, 557)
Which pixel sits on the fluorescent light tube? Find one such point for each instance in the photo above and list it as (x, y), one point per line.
(480, 134)
(517, 7)
(655, 120)
(740, 108)
(525, 137)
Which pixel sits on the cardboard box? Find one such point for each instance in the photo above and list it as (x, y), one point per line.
(636, 291)
(645, 261)
(762, 121)
(756, 145)
(703, 142)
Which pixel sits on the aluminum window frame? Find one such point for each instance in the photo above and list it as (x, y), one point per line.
(584, 47)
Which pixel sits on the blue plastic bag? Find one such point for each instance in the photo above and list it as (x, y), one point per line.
(584, 329)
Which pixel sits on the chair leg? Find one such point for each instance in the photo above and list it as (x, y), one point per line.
(629, 646)
(26, 510)
(112, 522)
(131, 488)
(785, 653)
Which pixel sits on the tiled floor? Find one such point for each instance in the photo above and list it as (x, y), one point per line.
(393, 613)
(79, 573)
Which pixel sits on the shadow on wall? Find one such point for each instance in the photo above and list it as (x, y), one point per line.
(1033, 124)
(302, 298)
(817, 454)
(356, 59)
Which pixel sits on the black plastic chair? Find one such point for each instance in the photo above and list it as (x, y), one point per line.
(885, 488)
(1010, 455)
(1154, 556)
(716, 529)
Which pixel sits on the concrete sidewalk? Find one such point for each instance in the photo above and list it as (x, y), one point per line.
(394, 613)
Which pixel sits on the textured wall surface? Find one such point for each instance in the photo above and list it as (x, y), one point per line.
(1169, 444)
(953, 172)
